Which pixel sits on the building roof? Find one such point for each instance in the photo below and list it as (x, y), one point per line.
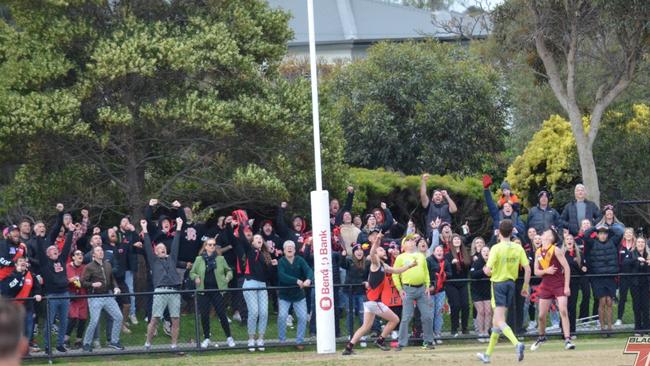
(352, 21)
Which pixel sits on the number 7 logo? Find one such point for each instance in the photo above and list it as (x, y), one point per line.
(640, 347)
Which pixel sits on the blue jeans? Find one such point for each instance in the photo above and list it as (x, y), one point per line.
(95, 306)
(257, 303)
(58, 309)
(438, 301)
(355, 306)
(128, 279)
(29, 325)
(300, 309)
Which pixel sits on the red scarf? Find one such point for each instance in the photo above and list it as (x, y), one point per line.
(441, 276)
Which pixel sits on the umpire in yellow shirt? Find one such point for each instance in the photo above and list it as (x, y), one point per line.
(413, 285)
(503, 268)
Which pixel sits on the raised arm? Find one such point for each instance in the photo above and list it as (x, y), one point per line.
(177, 240)
(492, 207)
(56, 228)
(280, 223)
(452, 205)
(67, 245)
(424, 198)
(388, 218)
(346, 207)
(148, 250)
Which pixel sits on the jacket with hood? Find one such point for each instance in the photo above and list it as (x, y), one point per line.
(191, 234)
(287, 232)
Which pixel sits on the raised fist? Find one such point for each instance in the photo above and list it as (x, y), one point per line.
(383, 205)
(84, 213)
(143, 225)
(59, 207)
(425, 177)
(176, 204)
(179, 223)
(350, 189)
(153, 202)
(283, 205)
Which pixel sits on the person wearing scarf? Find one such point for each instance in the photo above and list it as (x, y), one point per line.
(439, 270)
(457, 294)
(210, 274)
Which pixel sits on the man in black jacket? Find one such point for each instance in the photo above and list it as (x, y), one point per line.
(579, 209)
(56, 285)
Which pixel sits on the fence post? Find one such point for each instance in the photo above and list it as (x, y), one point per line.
(196, 318)
(48, 330)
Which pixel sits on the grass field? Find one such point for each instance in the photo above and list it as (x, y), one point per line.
(592, 352)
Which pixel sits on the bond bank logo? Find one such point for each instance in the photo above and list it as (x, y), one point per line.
(639, 346)
(325, 303)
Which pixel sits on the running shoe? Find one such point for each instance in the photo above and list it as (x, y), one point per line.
(569, 345)
(538, 343)
(483, 357)
(519, 351)
(382, 345)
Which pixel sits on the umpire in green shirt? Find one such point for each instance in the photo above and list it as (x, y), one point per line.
(413, 285)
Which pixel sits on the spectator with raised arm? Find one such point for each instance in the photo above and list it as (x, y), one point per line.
(255, 262)
(336, 212)
(436, 206)
(166, 281)
(53, 270)
(507, 211)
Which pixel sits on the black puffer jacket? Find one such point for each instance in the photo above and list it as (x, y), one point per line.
(603, 256)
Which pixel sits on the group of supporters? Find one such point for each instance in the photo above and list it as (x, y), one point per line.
(389, 270)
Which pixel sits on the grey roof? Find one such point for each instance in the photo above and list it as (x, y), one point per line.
(359, 20)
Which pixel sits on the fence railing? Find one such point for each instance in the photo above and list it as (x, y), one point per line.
(196, 346)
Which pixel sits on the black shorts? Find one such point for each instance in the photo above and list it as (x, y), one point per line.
(603, 286)
(503, 293)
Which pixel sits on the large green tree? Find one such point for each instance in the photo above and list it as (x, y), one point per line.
(415, 107)
(590, 52)
(107, 103)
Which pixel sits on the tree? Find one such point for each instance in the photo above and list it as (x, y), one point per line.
(549, 161)
(165, 99)
(606, 39)
(415, 107)
(551, 158)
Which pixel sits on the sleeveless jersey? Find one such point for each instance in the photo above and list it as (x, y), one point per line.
(547, 258)
(376, 282)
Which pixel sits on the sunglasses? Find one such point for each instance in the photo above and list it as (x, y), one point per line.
(209, 244)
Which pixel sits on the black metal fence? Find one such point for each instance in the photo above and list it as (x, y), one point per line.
(637, 286)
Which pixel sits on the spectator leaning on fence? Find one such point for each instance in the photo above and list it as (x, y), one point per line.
(21, 284)
(98, 279)
(211, 272)
(165, 279)
(293, 270)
